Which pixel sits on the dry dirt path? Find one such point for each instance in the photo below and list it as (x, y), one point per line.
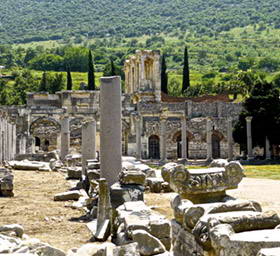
(264, 191)
(33, 208)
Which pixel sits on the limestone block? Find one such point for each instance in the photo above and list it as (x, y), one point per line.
(74, 172)
(157, 185)
(269, 252)
(132, 177)
(161, 229)
(147, 244)
(94, 249)
(18, 229)
(166, 171)
(125, 193)
(67, 196)
(8, 243)
(93, 174)
(239, 221)
(127, 250)
(226, 242)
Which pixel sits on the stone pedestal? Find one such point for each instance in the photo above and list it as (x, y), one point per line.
(88, 142)
(184, 138)
(65, 137)
(163, 138)
(229, 139)
(209, 139)
(249, 137)
(110, 129)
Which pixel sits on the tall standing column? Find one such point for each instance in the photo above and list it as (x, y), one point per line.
(209, 139)
(65, 137)
(138, 137)
(184, 137)
(230, 139)
(267, 149)
(163, 138)
(110, 128)
(249, 137)
(88, 142)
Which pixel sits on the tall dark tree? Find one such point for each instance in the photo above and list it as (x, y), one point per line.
(186, 71)
(43, 84)
(69, 79)
(164, 76)
(263, 105)
(91, 78)
(113, 68)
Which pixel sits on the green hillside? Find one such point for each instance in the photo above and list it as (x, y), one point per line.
(38, 20)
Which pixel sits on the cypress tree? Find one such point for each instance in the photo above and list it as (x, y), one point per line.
(43, 83)
(186, 71)
(91, 78)
(164, 77)
(69, 80)
(113, 68)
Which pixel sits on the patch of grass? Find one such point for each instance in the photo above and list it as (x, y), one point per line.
(263, 171)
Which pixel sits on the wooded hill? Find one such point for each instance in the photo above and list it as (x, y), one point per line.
(37, 20)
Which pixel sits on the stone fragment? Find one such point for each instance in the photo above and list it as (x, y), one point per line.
(18, 229)
(166, 171)
(126, 250)
(94, 249)
(93, 174)
(132, 177)
(104, 212)
(148, 244)
(74, 172)
(67, 196)
(125, 193)
(157, 185)
(219, 163)
(6, 182)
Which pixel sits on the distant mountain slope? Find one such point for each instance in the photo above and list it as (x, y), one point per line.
(35, 20)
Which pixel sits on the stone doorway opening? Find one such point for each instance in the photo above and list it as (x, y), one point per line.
(154, 147)
(216, 145)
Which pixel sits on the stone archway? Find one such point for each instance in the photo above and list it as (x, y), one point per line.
(154, 147)
(44, 130)
(177, 138)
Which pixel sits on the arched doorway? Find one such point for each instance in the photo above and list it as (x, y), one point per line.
(154, 150)
(37, 142)
(179, 146)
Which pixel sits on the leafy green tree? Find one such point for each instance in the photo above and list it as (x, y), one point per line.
(264, 106)
(69, 79)
(91, 78)
(46, 62)
(111, 70)
(56, 83)
(186, 72)
(164, 76)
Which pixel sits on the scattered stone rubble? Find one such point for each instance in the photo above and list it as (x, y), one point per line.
(208, 222)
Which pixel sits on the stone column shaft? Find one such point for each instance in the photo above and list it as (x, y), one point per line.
(88, 142)
(249, 137)
(110, 128)
(138, 138)
(65, 137)
(230, 140)
(184, 138)
(163, 139)
(267, 149)
(209, 139)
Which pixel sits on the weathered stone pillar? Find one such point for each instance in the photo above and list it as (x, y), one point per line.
(1, 140)
(138, 137)
(65, 137)
(184, 137)
(163, 138)
(230, 139)
(110, 128)
(267, 149)
(209, 139)
(88, 142)
(249, 137)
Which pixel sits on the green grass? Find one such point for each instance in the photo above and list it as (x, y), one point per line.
(263, 171)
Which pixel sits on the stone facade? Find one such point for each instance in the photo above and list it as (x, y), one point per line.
(145, 112)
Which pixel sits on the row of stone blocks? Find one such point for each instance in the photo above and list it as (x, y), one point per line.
(208, 222)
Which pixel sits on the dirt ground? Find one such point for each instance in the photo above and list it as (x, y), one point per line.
(33, 208)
